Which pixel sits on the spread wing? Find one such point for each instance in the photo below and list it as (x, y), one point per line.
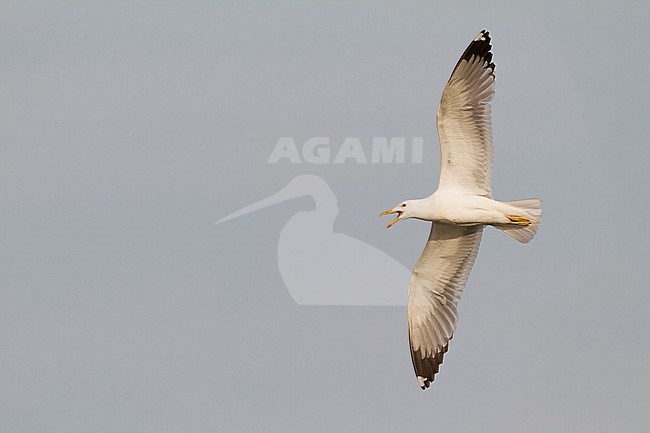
(438, 280)
(465, 121)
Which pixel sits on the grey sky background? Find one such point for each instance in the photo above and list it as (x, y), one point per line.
(128, 128)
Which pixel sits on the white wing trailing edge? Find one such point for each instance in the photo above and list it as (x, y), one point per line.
(465, 121)
(438, 280)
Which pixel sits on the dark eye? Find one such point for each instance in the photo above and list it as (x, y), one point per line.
(403, 204)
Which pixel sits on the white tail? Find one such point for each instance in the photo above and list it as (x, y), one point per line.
(532, 210)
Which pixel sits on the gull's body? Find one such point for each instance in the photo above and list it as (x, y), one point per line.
(463, 209)
(459, 209)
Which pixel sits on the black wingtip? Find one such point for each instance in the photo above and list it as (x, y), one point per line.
(481, 47)
(426, 368)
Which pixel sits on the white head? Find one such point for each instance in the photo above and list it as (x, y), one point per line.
(404, 210)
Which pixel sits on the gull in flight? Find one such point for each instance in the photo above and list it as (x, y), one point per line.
(459, 209)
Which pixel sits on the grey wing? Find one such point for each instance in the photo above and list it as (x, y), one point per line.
(465, 121)
(437, 282)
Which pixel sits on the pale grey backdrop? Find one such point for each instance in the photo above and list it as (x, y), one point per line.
(128, 128)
